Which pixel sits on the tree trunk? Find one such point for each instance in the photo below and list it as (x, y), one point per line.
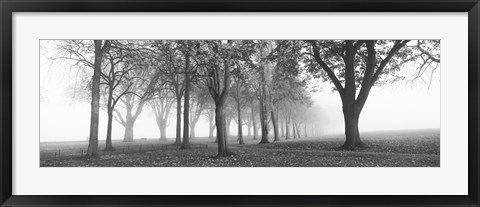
(128, 136)
(312, 131)
(108, 145)
(192, 129)
(162, 126)
(352, 135)
(275, 127)
(255, 130)
(227, 128)
(211, 127)
(287, 129)
(95, 104)
(263, 121)
(305, 130)
(239, 121)
(281, 128)
(221, 127)
(178, 135)
(249, 131)
(186, 104)
(296, 129)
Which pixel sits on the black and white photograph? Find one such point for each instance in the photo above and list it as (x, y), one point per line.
(240, 103)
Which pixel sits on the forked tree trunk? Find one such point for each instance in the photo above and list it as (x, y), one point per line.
(352, 135)
(130, 120)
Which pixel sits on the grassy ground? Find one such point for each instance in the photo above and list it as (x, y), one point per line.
(419, 148)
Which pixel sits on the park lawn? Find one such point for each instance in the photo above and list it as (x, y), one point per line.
(395, 150)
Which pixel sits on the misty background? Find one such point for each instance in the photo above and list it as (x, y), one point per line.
(65, 116)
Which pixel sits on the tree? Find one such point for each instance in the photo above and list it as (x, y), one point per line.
(288, 87)
(265, 69)
(161, 105)
(169, 53)
(88, 55)
(140, 85)
(253, 118)
(117, 71)
(217, 77)
(360, 64)
(185, 49)
(211, 118)
(201, 99)
(239, 77)
(100, 48)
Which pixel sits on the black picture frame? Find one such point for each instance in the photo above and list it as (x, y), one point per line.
(7, 8)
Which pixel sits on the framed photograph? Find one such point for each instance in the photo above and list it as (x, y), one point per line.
(236, 103)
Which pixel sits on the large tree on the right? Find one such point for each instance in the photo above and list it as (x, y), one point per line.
(355, 66)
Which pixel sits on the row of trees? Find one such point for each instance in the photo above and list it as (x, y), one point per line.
(223, 79)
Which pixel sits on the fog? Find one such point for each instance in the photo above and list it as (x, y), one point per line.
(401, 105)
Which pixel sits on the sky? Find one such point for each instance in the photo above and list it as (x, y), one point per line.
(63, 117)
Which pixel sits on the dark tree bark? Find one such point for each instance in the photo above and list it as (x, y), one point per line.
(223, 150)
(186, 105)
(263, 121)
(108, 145)
(95, 104)
(178, 135)
(263, 104)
